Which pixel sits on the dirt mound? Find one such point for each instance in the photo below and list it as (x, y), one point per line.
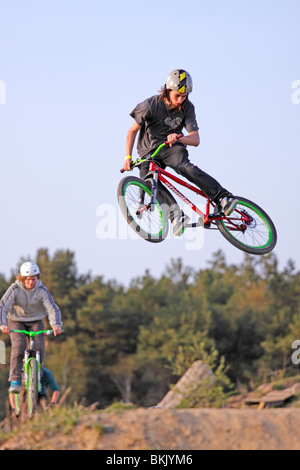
(167, 429)
(250, 422)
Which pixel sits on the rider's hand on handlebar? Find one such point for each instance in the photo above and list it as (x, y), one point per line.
(5, 329)
(57, 330)
(172, 138)
(127, 164)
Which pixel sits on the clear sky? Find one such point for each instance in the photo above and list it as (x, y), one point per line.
(71, 71)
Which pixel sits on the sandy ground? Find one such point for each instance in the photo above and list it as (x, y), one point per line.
(172, 429)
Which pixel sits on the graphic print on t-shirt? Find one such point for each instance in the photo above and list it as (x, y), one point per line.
(173, 123)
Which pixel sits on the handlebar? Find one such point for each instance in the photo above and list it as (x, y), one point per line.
(31, 334)
(154, 153)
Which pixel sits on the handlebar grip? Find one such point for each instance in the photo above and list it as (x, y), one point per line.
(131, 166)
(177, 137)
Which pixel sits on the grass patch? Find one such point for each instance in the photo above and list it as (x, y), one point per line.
(119, 407)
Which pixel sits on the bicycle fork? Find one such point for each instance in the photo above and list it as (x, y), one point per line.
(27, 360)
(154, 181)
(151, 206)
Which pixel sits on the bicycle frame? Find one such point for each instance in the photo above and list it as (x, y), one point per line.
(248, 227)
(205, 218)
(162, 175)
(28, 358)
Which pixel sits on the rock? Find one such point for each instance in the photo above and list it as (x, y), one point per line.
(197, 373)
(265, 388)
(296, 389)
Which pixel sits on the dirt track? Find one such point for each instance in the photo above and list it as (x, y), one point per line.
(173, 429)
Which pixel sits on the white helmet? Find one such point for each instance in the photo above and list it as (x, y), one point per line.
(179, 80)
(29, 269)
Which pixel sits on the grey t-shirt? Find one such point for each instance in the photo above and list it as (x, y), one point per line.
(157, 121)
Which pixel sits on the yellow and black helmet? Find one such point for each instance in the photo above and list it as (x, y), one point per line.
(179, 80)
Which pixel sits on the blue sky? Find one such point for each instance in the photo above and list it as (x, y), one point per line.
(72, 72)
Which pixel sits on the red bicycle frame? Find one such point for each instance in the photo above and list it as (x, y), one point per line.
(206, 217)
(153, 168)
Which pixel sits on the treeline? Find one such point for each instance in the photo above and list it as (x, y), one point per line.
(132, 343)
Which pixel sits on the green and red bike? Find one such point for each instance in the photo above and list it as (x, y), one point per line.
(26, 402)
(248, 228)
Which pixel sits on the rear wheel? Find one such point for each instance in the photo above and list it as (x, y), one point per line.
(248, 228)
(134, 197)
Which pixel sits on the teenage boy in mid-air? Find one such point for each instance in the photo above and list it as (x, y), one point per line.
(162, 118)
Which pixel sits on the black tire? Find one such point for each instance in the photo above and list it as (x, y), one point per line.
(9, 419)
(248, 228)
(18, 404)
(32, 391)
(153, 225)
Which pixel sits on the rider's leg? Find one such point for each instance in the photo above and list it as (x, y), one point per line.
(18, 346)
(39, 340)
(165, 195)
(178, 219)
(176, 157)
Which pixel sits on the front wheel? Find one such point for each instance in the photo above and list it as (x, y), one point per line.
(32, 391)
(248, 228)
(134, 197)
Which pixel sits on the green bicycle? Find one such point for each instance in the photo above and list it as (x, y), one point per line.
(26, 402)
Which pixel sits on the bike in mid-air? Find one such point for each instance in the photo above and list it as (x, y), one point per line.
(248, 227)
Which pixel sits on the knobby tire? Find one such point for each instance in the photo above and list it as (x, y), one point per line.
(134, 196)
(248, 228)
(32, 392)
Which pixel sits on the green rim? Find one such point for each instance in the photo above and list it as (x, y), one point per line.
(147, 190)
(262, 217)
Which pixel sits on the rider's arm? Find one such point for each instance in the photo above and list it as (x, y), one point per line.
(192, 138)
(5, 304)
(54, 388)
(52, 310)
(54, 398)
(131, 135)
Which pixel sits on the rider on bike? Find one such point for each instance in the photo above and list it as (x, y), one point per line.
(23, 307)
(47, 382)
(160, 119)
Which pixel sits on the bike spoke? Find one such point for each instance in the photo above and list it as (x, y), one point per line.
(254, 231)
(149, 221)
(249, 228)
